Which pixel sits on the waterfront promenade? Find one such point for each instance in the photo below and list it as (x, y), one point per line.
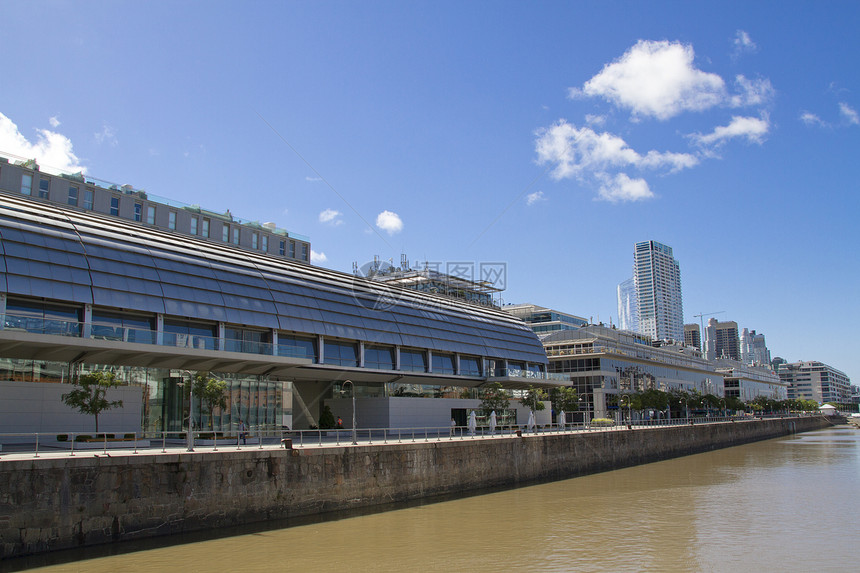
(59, 501)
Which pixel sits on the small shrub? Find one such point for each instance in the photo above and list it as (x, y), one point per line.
(601, 422)
(129, 436)
(83, 438)
(62, 437)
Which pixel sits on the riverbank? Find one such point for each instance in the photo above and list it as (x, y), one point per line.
(53, 504)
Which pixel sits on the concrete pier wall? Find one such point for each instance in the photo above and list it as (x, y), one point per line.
(50, 504)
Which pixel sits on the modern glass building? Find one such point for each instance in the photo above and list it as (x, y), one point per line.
(657, 280)
(86, 290)
(602, 361)
(544, 320)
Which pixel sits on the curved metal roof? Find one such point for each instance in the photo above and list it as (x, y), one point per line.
(87, 258)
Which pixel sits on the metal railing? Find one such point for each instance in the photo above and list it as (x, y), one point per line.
(39, 444)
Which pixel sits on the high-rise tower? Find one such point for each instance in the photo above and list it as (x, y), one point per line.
(657, 279)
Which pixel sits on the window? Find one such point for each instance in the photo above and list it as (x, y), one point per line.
(138, 212)
(193, 227)
(88, 199)
(443, 363)
(297, 346)
(265, 247)
(254, 240)
(292, 249)
(114, 206)
(73, 195)
(341, 353)
(150, 214)
(282, 248)
(44, 187)
(250, 341)
(413, 360)
(205, 232)
(42, 318)
(171, 220)
(26, 184)
(225, 233)
(304, 251)
(189, 334)
(117, 326)
(235, 235)
(379, 357)
(470, 366)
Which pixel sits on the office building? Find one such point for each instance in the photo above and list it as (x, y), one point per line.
(628, 309)
(85, 285)
(722, 340)
(657, 281)
(812, 380)
(693, 336)
(747, 382)
(544, 321)
(601, 361)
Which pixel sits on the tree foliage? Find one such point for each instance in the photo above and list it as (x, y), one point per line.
(564, 398)
(89, 395)
(494, 398)
(210, 391)
(533, 399)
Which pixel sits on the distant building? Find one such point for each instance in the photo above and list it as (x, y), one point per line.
(657, 280)
(746, 382)
(459, 283)
(722, 340)
(754, 349)
(811, 380)
(544, 320)
(693, 336)
(602, 361)
(628, 310)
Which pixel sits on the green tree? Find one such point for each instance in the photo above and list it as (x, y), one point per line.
(533, 399)
(326, 418)
(212, 392)
(494, 398)
(88, 397)
(564, 398)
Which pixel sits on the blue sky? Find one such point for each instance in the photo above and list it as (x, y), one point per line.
(550, 136)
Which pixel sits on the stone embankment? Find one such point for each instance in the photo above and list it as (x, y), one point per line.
(48, 504)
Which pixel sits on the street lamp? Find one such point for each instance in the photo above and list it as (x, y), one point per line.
(686, 406)
(629, 407)
(354, 441)
(190, 437)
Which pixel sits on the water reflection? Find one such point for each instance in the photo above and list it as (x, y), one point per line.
(786, 504)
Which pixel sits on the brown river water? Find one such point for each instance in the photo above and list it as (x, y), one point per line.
(790, 504)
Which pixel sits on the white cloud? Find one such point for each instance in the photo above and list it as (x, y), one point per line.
(595, 120)
(811, 119)
(849, 113)
(108, 135)
(330, 216)
(752, 129)
(55, 123)
(318, 258)
(51, 149)
(656, 79)
(743, 43)
(622, 188)
(751, 92)
(389, 222)
(579, 151)
(533, 198)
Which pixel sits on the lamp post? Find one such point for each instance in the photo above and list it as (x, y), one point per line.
(354, 441)
(686, 406)
(190, 437)
(629, 407)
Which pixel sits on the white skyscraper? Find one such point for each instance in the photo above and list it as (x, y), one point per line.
(657, 279)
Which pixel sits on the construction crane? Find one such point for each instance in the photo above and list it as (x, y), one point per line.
(701, 318)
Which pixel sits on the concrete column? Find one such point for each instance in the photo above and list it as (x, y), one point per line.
(159, 329)
(274, 342)
(321, 349)
(87, 326)
(361, 354)
(429, 361)
(397, 358)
